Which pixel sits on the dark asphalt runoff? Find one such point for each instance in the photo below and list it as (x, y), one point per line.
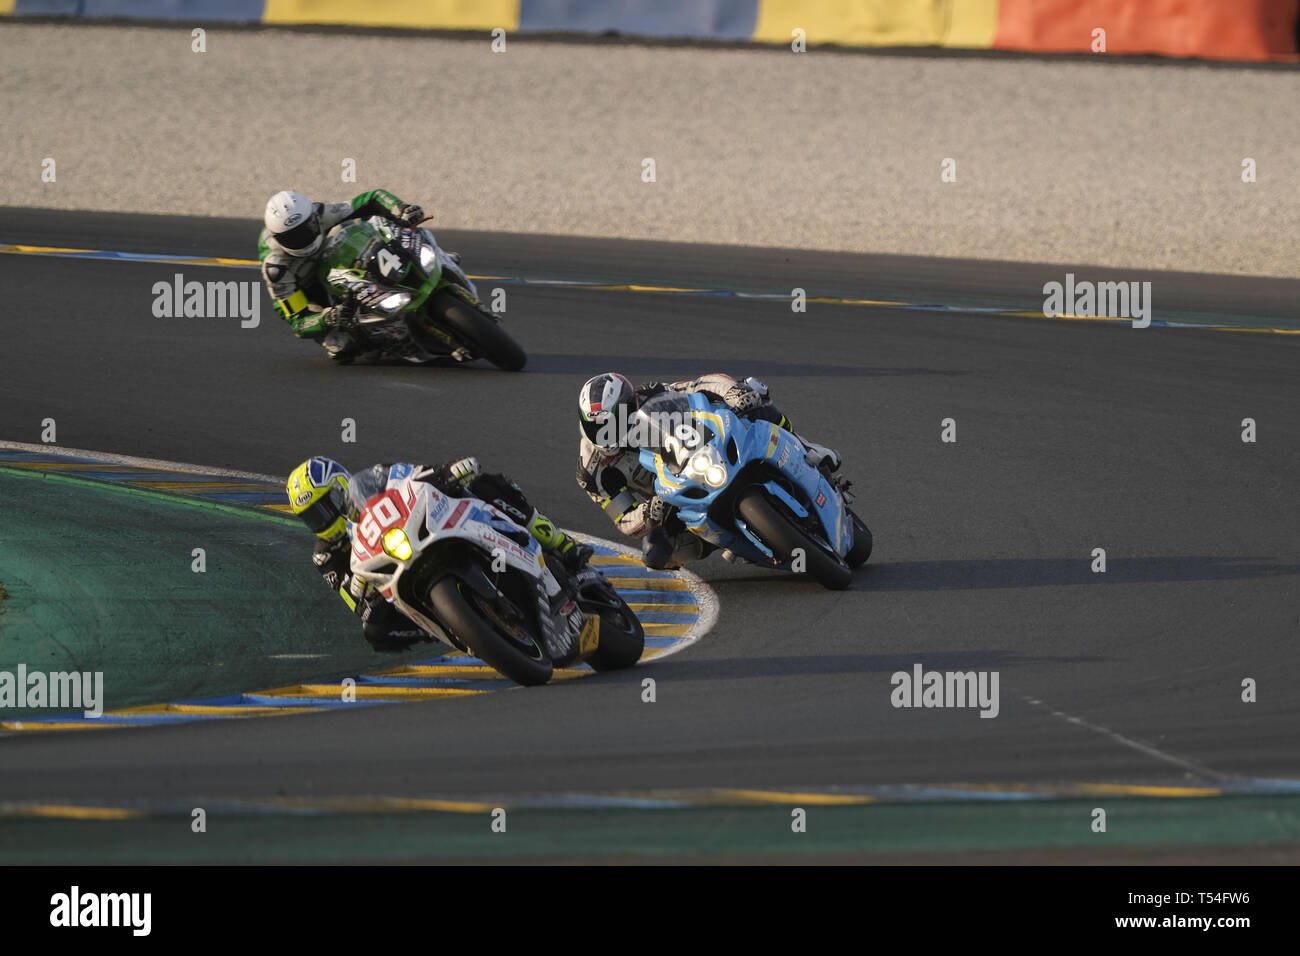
(1071, 436)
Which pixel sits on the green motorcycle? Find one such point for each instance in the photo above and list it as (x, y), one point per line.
(408, 298)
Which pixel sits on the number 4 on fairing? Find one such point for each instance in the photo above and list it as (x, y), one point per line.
(414, 301)
(389, 264)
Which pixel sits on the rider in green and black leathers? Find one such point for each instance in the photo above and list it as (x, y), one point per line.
(290, 247)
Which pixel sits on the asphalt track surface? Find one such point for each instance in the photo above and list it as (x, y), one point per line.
(1071, 436)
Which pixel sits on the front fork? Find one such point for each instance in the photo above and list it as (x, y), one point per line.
(455, 275)
(459, 284)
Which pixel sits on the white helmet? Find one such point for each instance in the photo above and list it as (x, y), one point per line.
(294, 222)
(599, 402)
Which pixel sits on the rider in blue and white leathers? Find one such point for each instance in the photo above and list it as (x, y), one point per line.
(610, 471)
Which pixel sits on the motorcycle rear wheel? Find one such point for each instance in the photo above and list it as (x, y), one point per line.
(471, 619)
(622, 639)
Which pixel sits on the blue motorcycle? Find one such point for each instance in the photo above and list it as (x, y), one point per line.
(747, 487)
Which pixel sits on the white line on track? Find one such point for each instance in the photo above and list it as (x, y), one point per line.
(1137, 745)
(111, 459)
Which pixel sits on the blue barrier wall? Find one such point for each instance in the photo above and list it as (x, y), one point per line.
(715, 19)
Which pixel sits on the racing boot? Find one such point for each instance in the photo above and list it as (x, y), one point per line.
(820, 456)
(657, 548)
(573, 554)
(341, 345)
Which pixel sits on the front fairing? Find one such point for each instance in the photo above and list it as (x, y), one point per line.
(385, 268)
(740, 446)
(388, 497)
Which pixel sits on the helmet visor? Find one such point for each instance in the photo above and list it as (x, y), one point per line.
(300, 236)
(320, 515)
(601, 433)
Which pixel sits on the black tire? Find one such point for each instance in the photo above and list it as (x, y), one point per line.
(457, 607)
(861, 549)
(480, 332)
(622, 639)
(783, 537)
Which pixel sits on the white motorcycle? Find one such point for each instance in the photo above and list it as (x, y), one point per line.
(470, 577)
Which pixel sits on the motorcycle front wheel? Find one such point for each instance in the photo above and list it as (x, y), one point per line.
(785, 539)
(861, 549)
(482, 333)
(494, 630)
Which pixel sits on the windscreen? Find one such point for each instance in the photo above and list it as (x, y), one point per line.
(364, 486)
(659, 420)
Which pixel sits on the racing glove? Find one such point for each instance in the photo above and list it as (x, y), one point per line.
(360, 592)
(742, 398)
(338, 316)
(409, 213)
(649, 390)
(464, 471)
(657, 511)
